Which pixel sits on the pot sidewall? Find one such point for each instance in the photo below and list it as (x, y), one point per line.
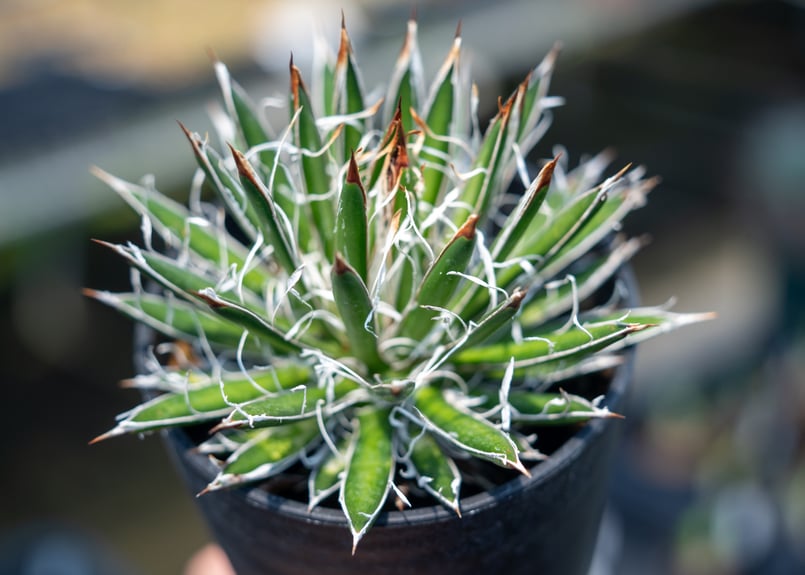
(547, 523)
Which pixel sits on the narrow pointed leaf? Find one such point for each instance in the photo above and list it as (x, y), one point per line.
(437, 124)
(536, 87)
(552, 301)
(540, 244)
(520, 219)
(209, 400)
(179, 279)
(250, 321)
(267, 453)
(436, 472)
(554, 408)
(315, 168)
(369, 471)
(351, 229)
(439, 284)
(356, 310)
(175, 318)
(269, 220)
(406, 85)
(467, 431)
(178, 227)
(254, 133)
(493, 323)
(325, 479)
(489, 163)
(560, 228)
(290, 405)
(349, 93)
(548, 346)
(601, 223)
(654, 320)
(223, 184)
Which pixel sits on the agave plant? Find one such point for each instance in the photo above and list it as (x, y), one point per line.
(362, 295)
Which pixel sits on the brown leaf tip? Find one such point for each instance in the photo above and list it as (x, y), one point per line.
(340, 266)
(546, 173)
(296, 83)
(209, 299)
(344, 46)
(517, 298)
(353, 175)
(467, 230)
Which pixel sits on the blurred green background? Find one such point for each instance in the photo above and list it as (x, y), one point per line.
(709, 95)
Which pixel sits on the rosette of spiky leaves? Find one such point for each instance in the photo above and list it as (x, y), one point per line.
(343, 302)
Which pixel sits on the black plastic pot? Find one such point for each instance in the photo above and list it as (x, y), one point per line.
(544, 524)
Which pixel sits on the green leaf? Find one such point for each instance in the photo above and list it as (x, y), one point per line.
(267, 453)
(488, 163)
(269, 220)
(560, 296)
(349, 94)
(315, 168)
(351, 233)
(291, 405)
(369, 472)
(467, 431)
(223, 184)
(520, 219)
(547, 346)
(179, 279)
(533, 89)
(436, 472)
(254, 133)
(406, 85)
(325, 479)
(439, 283)
(539, 245)
(177, 226)
(554, 408)
(250, 321)
(437, 124)
(550, 238)
(493, 323)
(208, 400)
(175, 318)
(653, 321)
(356, 311)
(619, 202)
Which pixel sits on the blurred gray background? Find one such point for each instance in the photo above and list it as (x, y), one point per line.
(709, 95)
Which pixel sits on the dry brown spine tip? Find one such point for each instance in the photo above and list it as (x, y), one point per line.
(516, 298)
(104, 436)
(210, 301)
(518, 466)
(187, 132)
(212, 55)
(340, 266)
(468, 229)
(296, 82)
(243, 165)
(353, 175)
(88, 292)
(546, 173)
(344, 46)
